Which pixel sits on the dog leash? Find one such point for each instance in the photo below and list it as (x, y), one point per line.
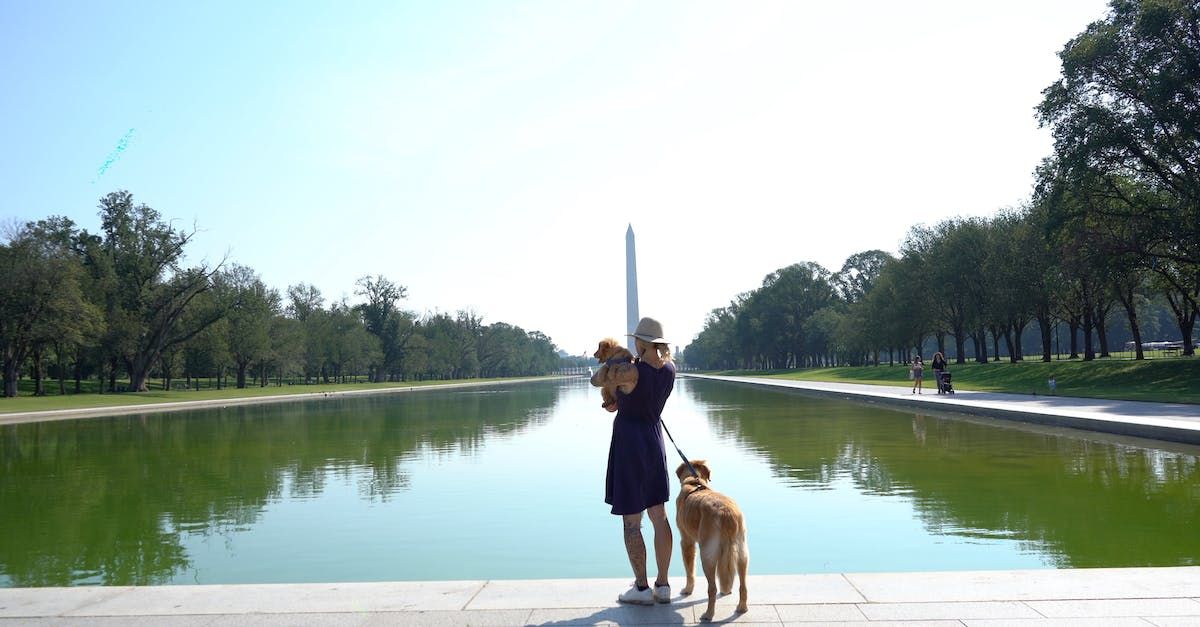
(662, 422)
(685, 459)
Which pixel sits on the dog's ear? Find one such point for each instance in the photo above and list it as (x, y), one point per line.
(683, 472)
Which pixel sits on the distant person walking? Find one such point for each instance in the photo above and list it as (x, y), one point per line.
(918, 372)
(939, 366)
(638, 479)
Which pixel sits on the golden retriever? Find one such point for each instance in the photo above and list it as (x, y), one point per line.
(613, 354)
(713, 520)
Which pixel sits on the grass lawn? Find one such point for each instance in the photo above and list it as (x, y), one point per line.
(25, 401)
(1175, 380)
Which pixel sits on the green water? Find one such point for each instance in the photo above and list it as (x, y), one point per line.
(507, 482)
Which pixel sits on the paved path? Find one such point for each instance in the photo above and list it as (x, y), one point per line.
(151, 406)
(1166, 597)
(1177, 422)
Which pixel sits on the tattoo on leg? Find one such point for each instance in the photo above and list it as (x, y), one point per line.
(635, 546)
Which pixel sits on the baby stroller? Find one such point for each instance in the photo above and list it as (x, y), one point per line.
(943, 383)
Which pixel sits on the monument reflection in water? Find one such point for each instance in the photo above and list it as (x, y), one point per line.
(505, 482)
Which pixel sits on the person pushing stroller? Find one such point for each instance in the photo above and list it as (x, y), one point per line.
(941, 378)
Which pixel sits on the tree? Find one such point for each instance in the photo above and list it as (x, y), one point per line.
(854, 331)
(384, 320)
(250, 307)
(821, 336)
(1129, 288)
(780, 309)
(1128, 106)
(502, 351)
(440, 334)
(716, 345)
(451, 345)
(286, 356)
(899, 305)
(1017, 265)
(1126, 122)
(307, 306)
(303, 301)
(951, 256)
(40, 298)
(206, 354)
(138, 259)
(349, 347)
(1039, 258)
(1180, 283)
(859, 273)
(544, 355)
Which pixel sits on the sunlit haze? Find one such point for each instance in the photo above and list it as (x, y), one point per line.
(490, 155)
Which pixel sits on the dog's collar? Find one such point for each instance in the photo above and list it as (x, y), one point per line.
(699, 487)
(617, 361)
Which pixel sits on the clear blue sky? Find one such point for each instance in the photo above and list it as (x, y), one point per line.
(489, 155)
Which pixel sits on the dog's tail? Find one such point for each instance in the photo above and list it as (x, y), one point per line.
(735, 554)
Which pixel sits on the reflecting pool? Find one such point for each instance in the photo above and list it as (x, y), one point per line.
(507, 482)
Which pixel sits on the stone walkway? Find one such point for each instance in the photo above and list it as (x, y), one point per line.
(1166, 597)
(150, 406)
(1175, 422)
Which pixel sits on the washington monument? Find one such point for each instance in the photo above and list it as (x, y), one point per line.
(631, 297)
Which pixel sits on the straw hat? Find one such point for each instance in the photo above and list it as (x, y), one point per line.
(649, 330)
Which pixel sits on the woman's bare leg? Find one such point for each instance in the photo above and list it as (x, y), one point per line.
(663, 542)
(635, 547)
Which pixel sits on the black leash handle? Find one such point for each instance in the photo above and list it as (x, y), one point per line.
(685, 459)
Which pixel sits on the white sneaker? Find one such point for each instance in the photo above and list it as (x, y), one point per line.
(662, 594)
(637, 597)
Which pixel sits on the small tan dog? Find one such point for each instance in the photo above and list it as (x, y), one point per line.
(713, 520)
(616, 356)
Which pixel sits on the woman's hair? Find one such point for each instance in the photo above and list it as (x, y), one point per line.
(664, 351)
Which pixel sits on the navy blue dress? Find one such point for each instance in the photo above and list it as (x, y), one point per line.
(637, 457)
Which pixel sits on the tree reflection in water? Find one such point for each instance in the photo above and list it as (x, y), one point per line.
(388, 487)
(105, 500)
(1083, 499)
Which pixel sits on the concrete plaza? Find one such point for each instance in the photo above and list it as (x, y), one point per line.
(1165, 597)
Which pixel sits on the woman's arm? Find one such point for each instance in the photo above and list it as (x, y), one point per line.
(624, 376)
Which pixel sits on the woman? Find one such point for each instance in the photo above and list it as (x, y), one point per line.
(918, 371)
(638, 479)
(939, 366)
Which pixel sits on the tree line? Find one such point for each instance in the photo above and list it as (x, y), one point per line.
(1112, 226)
(119, 305)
